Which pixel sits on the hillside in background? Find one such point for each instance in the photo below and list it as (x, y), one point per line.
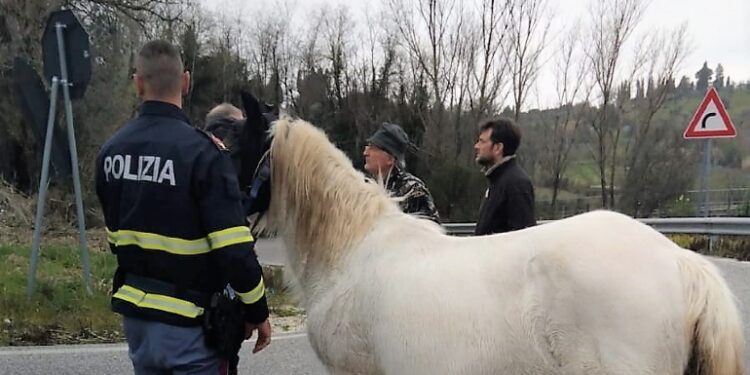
(729, 177)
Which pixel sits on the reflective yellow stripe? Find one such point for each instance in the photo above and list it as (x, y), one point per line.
(229, 236)
(158, 302)
(253, 295)
(154, 241)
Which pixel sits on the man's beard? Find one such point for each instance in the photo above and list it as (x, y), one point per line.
(484, 161)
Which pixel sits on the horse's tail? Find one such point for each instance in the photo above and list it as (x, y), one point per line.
(713, 322)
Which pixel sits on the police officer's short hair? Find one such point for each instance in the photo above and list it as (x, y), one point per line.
(505, 131)
(160, 65)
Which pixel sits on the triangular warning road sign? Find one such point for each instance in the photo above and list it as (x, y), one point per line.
(710, 120)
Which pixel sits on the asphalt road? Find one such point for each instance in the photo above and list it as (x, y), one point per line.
(289, 354)
(270, 251)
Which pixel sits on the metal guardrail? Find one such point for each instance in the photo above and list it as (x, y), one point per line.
(727, 226)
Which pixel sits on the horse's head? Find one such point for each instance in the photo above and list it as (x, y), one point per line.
(252, 152)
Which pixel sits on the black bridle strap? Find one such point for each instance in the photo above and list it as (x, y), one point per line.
(261, 175)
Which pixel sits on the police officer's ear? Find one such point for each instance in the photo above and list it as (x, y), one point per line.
(185, 83)
(140, 85)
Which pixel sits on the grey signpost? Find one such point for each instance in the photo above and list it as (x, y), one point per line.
(704, 176)
(57, 72)
(710, 121)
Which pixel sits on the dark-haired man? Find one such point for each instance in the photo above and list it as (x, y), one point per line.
(508, 202)
(175, 222)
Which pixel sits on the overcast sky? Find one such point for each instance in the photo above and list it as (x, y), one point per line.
(718, 30)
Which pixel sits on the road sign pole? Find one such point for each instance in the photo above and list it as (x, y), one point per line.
(705, 176)
(71, 76)
(73, 157)
(43, 184)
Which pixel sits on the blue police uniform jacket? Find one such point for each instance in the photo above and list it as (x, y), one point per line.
(175, 221)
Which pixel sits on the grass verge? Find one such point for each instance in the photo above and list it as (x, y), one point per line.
(60, 311)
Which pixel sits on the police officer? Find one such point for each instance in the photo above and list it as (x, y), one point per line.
(174, 220)
(384, 161)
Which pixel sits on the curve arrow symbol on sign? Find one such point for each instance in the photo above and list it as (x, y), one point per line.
(705, 118)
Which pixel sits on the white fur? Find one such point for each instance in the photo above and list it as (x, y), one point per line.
(388, 293)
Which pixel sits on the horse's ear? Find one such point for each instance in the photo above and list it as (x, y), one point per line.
(252, 107)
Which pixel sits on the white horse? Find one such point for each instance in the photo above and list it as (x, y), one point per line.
(388, 293)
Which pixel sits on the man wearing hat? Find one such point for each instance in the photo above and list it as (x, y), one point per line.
(384, 161)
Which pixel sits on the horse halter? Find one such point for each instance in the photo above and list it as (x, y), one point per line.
(262, 174)
(259, 197)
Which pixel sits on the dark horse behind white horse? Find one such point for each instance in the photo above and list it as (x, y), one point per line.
(389, 293)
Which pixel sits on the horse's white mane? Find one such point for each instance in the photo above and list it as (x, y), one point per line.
(319, 199)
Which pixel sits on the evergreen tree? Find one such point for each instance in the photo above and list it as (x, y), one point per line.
(703, 77)
(719, 80)
(650, 88)
(685, 87)
(639, 91)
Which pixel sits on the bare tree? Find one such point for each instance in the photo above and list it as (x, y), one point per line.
(374, 65)
(271, 53)
(664, 54)
(482, 83)
(22, 18)
(528, 25)
(573, 91)
(152, 16)
(613, 21)
(488, 66)
(311, 88)
(376, 58)
(337, 36)
(432, 34)
(491, 77)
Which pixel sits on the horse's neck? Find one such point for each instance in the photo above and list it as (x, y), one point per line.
(309, 279)
(326, 219)
(328, 225)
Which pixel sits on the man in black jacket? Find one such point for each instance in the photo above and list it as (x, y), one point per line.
(508, 203)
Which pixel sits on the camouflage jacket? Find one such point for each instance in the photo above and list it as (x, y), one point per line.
(417, 199)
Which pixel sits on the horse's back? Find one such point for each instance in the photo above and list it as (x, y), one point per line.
(599, 293)
(608, 292)
(593, 292)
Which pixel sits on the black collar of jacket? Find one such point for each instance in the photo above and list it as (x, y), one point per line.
(498, 171)
(156, 108)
